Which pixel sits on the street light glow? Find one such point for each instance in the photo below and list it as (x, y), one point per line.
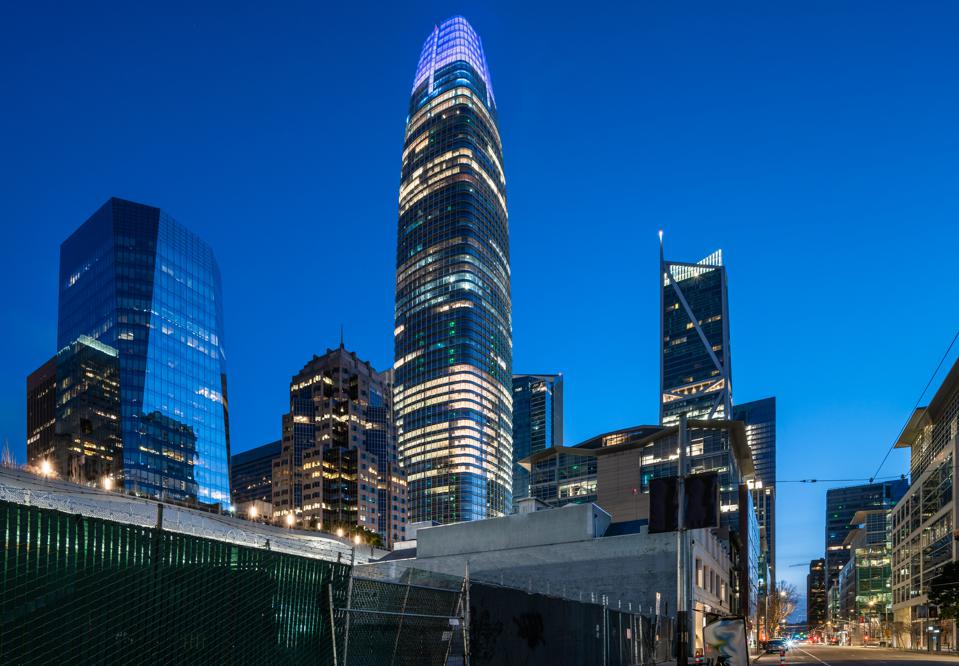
(289, 519)
(253, 512)
(339, 531)
(45, 467)
(107, 483)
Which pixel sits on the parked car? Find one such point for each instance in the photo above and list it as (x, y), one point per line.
(776, 645)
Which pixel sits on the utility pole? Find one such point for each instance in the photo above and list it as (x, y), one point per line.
(684, 602)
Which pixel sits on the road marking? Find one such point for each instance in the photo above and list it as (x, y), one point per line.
(813, 656)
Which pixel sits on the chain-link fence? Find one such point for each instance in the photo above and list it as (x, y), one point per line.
(81, 590)
(417, 620)
(515, 626)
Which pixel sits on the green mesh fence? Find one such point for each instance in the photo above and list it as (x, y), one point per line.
(79, 590)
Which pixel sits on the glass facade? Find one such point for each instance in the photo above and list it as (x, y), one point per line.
(759, 417)
(841, 505)
(139, 283)
(563, 476)
(695, 368)
(251, 473)
(865, 581)
(924, 521)
(41, 411)
(537, 422)
(453, 336)
(88, 403)
(816, 595)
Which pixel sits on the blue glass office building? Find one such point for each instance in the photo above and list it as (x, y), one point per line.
(537, 422)
(453, 337)
(135, 280)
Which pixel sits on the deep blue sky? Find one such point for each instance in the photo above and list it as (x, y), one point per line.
(815, 143)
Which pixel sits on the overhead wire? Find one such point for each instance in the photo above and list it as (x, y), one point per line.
(918, 401)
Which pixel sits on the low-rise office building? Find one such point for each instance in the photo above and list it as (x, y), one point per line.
(575, 552)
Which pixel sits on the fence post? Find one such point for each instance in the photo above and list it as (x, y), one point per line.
(329, 590)
(399, 627)
(349, 607)
(466, 619)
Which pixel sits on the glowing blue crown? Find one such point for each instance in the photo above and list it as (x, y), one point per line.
(453, 40)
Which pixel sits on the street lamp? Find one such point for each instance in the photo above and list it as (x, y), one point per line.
(253, 512)
(289, 520)
(339, 532)
(107, 483)
(46, 469)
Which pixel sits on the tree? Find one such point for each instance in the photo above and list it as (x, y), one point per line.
(944, 591)
(782, 602)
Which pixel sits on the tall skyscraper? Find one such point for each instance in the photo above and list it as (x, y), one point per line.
(41, 411)
(841, 505)
(537, 422)
(453, 336)
(816, 595)
(760, 419)
(338, 466)
(141, 305)
(695, 371)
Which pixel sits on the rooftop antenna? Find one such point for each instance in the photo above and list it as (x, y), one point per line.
(341, 336)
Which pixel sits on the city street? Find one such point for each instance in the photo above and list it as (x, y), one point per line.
(833, 656)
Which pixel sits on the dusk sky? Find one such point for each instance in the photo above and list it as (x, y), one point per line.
(816, 143)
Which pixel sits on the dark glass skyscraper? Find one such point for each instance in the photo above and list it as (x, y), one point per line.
(816, 595)
(453, 337)
(696, 377)
(759, 417)
(251, 473)
(537, 422)
(147, 292)
(41, 411)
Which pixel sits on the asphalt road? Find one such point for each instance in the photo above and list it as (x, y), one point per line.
(831, 655)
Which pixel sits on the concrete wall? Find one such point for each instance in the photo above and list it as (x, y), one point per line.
(571, 523)
(630, 568)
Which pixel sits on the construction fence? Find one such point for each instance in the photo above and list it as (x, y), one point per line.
(77, 589)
